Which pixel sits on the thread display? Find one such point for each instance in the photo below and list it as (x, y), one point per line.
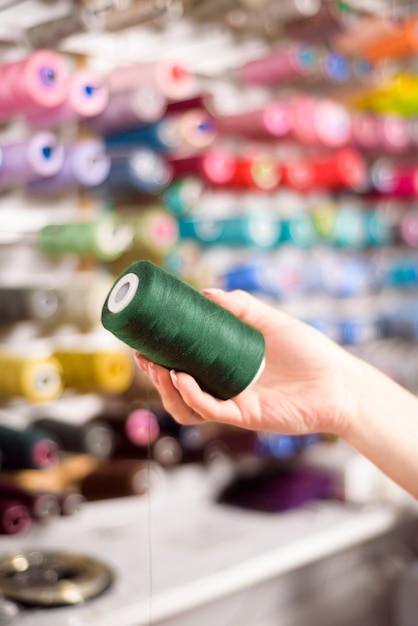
(174, 325)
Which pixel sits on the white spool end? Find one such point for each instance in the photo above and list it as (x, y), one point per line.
(123, 293)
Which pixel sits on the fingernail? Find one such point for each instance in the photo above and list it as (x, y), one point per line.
(152, 373)
(211, 290)
(174, 379)
(140, 362)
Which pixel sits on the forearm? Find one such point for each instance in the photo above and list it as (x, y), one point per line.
(383, 424)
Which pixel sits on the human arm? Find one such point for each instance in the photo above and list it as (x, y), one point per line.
(309, 384)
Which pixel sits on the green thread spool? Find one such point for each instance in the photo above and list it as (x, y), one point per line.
(175, 326)
(105, 238)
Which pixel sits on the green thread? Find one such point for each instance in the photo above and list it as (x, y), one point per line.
(174, 325)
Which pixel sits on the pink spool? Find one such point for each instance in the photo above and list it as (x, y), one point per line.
(393, 133)
(280, 66)
(332, 124)
(365, 131)
(396, 181)
(141, 427)
(303, 111)
(274, 120)
(40, 80)
(173, 80)
(408, 229)
(87, 96)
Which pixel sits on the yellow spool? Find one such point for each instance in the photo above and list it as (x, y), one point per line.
(35, 378)
(109, 371)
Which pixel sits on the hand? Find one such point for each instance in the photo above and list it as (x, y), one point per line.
(303, 388)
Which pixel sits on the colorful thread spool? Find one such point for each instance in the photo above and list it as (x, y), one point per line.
(399, 44)
(127, 109)
(90, 371)
(120, 479)
(87, 96)
(96, 438)
(172, 334)
(42, 505)
(41, 155)
(39, 80)
(280, 66)
(35, 378)
(259, 231)
(162, 136)
(143, 171)
(105, 239)
(86, 164)
(27, 449)
(19, 304)
(215, 167)
(172, 79)
(14, 517)
(183, 195)
(272, 121)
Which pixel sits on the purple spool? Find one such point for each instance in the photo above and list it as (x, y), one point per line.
(86, 164)
(128, 109)
(41, 155)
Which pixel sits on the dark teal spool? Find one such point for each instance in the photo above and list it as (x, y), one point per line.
(176, 326)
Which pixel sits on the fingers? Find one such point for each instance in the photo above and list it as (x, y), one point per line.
(248, 308)
(170, 396)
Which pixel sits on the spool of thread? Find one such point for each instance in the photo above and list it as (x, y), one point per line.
(139, 428)
(87, 96)
(162, 136)
(39, 80)
(93, 371)
(167, 451)
(81, 300)
(399, 44)
(299, 230)
(127, 109)
(94, 438)
(258, 231)
(332, 123)
(364, 131)
(364, 32)
(144, 171)
(272, 121)
(85, 164)
(349, 228)
(258, 171)
(105, 239)
(330, 20)
(288, 63)
(394, 180)
(71, 502)
(21, 304)
(120, 478)
(172, 79)
(196, 128)
(201, 101)
(303, 111)
(399, 322)
(297, 174)
(408, 229)
(41, 155)
(154, 234)
(27, 449)
(393, 133)
(344, 169)
(183, 195)
(215, 167)
(225, 359)
(334, 69)
(42, 505)
(14, 517)
(35, 378)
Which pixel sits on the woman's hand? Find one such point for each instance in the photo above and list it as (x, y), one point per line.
(303, 388)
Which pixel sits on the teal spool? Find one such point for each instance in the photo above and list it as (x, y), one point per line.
(175, 326)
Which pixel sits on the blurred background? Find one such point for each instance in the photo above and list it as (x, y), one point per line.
(262, 145)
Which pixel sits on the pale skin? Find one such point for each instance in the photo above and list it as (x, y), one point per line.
(309, 384)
